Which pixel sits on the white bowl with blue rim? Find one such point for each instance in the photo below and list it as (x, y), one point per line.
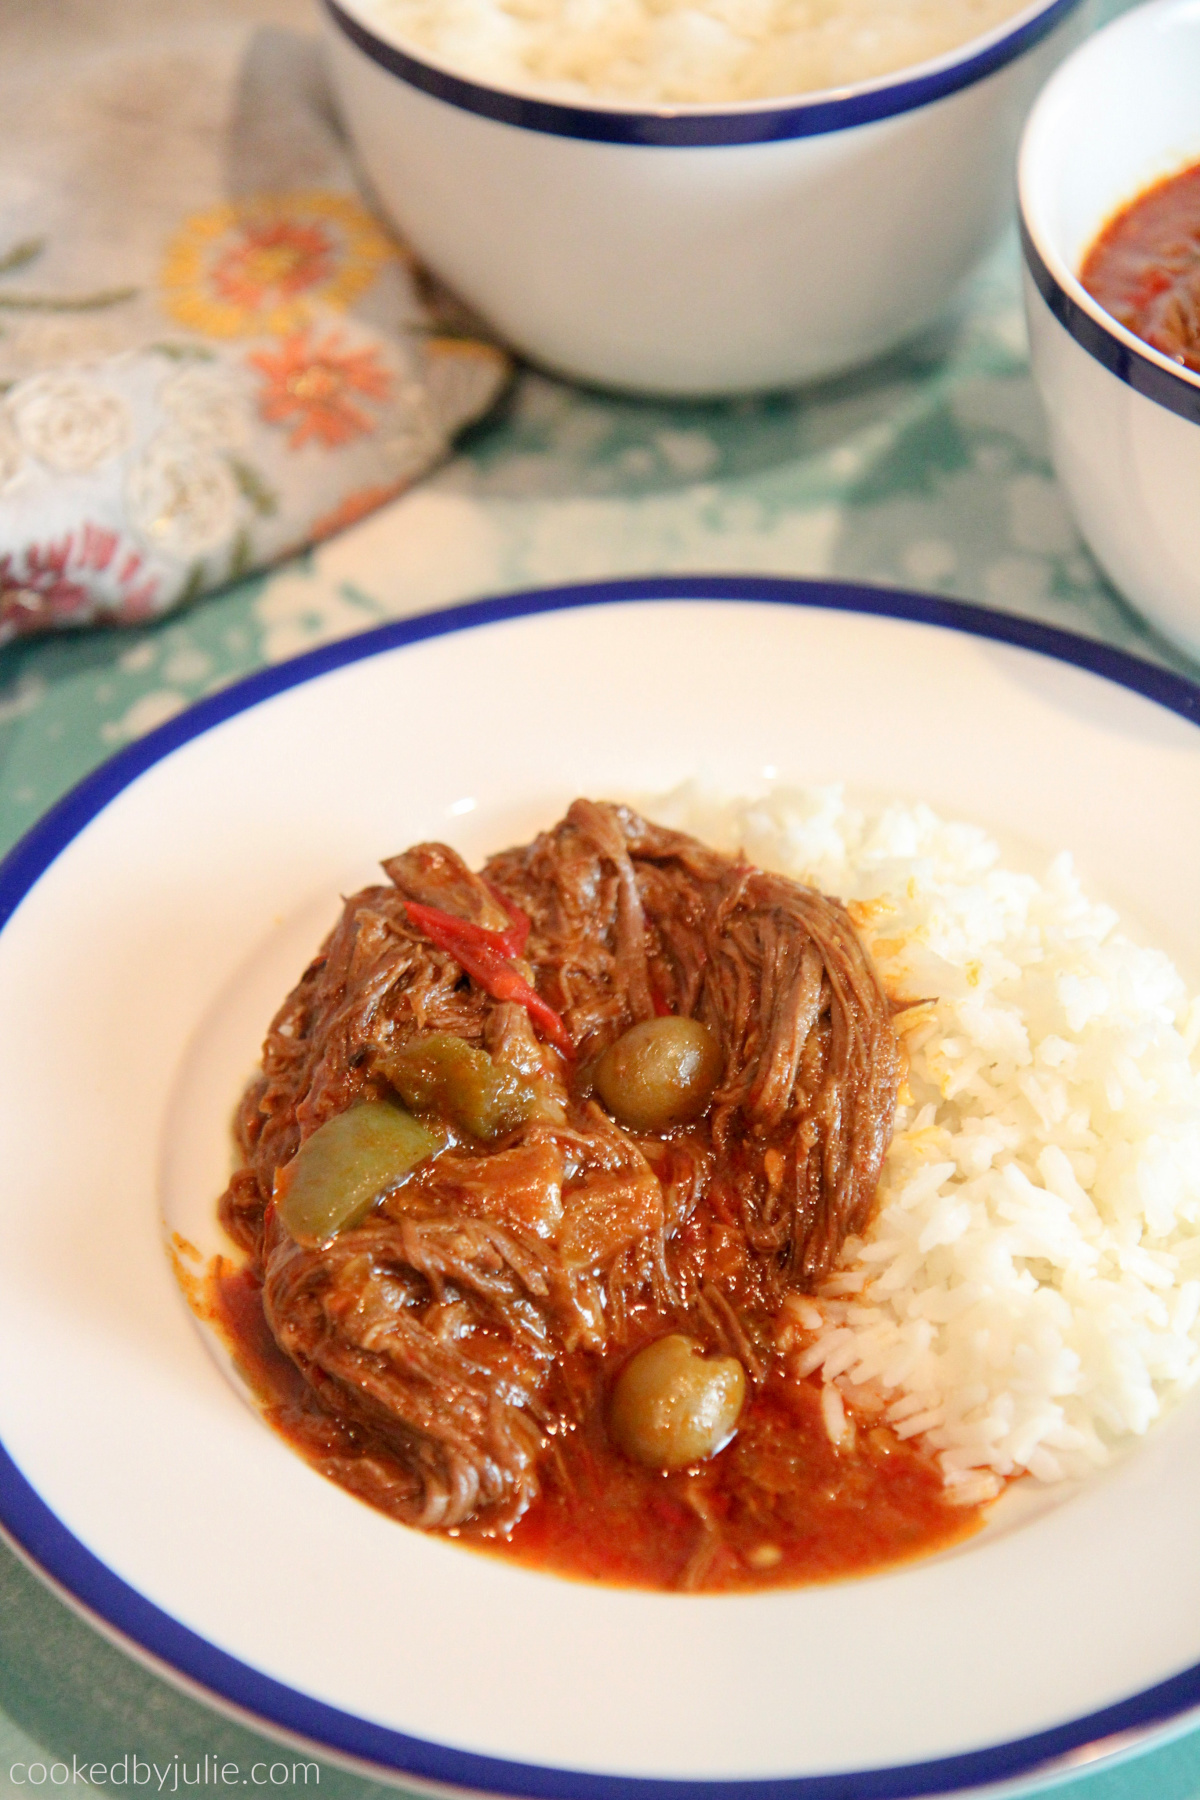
(698, 249)
(1122, 113)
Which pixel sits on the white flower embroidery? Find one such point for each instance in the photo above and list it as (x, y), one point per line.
(207, 406)
(182, 496)
(69, 422)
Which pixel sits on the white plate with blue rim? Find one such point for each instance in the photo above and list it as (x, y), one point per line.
(149, 925)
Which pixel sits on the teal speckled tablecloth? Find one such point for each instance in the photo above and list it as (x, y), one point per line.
(928, 470)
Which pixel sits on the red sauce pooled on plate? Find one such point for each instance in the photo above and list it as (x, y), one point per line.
(779, 1507)
(1144, 268)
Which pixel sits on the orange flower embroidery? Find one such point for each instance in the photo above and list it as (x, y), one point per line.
(310, 387)
(354, 507)
(273, 260)
(264, 263)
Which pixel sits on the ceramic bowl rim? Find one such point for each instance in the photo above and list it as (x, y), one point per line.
(707, 126)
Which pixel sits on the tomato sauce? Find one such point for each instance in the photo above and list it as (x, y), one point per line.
(780, 1506)
(1144, 268)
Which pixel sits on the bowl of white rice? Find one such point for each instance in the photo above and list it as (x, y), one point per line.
(696, 197)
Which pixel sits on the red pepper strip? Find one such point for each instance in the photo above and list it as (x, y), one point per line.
(480, 954)
(431, 919)
(517, 936)
(510, 943)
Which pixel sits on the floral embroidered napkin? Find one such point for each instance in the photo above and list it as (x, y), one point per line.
(211, 351)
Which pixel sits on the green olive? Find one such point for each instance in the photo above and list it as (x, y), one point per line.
(673, 1406)
(660, 1073)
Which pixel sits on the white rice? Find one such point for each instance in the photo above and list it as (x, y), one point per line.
(650, 52)
(1027, 1299)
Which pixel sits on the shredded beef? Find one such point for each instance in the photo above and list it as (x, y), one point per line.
(447, 1327)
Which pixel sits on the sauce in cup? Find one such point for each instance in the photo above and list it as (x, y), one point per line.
(1144, 268)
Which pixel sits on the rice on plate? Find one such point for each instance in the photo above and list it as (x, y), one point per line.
(1027, 1298)
(647, 52)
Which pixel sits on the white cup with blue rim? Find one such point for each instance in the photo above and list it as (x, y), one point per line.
(1120, 115)
(698, 249)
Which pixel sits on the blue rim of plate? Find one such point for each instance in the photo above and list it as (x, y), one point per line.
(683, 127)
(81, 1578)
(1116, 350)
